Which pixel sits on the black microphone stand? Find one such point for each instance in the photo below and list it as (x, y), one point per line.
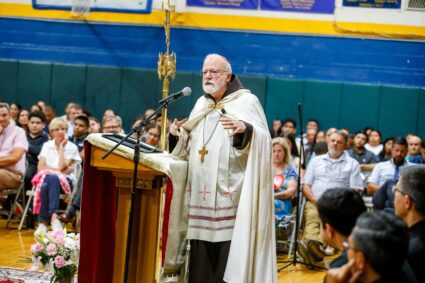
(136, 159)
(301, 165)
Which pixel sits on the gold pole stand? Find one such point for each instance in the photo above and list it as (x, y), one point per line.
(166, 68)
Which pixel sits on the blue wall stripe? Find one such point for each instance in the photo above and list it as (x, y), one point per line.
(288, 56)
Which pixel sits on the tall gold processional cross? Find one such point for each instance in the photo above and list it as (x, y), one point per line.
(203, 152)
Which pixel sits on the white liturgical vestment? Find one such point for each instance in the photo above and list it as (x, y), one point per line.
(229, 191)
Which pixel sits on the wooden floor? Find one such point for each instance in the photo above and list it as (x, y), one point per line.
(14, 246)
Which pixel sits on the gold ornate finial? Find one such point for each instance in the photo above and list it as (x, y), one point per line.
(166, 66)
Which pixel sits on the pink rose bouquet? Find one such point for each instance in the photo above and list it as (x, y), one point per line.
(58, 252)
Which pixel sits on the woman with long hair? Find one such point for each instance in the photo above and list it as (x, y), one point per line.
(23, 119)
(385, 153)
(285, 178)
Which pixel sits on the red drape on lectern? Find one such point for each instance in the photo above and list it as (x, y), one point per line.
(98, 219)
(167, 205)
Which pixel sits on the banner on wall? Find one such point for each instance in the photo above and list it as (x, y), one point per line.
(387, 4)
(304, 6)
(235, 4)
(126, 6)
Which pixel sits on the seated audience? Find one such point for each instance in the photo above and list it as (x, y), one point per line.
(109, 113)
(285, 178)
(42, 105)
(374, 142)
(320, 137)
(75, 111)
(289, 126)
(49, 113)
(409, 203)
(153, 134)
(385, 153)
(81, 128)
(23, 119)
(95, 126)
(335, 169)
(295, 156)
(275, 130)
(36, 138)
(320, 148)
(389, 170)
(15, 109)
(112, 124)
(383, 198)
(364, 157)
(338, 210)
(56, 166)
(14, 144)
(376, 251)
(35, 107)
(414, 150)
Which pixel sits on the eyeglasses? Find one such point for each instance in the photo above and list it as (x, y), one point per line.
(394, 189)
(213, 72)
(111, 127)
(153, 135)
(59, 130)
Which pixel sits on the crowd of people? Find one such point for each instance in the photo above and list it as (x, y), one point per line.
(338, 171)
(44, 150)
(332, 168)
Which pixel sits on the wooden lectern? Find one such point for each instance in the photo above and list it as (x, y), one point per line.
(144, 257)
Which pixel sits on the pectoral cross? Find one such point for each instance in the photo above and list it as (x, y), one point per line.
(203, 152)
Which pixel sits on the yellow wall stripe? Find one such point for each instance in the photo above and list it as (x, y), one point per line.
(226, 22)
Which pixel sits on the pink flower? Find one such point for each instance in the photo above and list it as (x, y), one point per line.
(58, 233)
(51, 249)
(35, 248)
(60, 261)
(59, 240)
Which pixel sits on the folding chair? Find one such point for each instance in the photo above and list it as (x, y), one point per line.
(288, 222)
(15, 207)
(69, 197)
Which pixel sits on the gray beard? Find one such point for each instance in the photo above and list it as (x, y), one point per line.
(210, 89)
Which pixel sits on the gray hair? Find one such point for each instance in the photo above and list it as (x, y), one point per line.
(228, 66)
(112, 118)
(5, 105)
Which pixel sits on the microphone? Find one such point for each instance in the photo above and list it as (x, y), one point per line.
(184, 92)
(223, 112)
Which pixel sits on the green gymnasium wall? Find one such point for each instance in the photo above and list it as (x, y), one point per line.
(395, 110)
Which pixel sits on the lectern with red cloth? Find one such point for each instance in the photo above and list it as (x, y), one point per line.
(105, 214)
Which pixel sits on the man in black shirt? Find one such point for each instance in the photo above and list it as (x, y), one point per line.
(81, 131)
(409, 204)
(338, 210)
(366, 158)
(36, 138)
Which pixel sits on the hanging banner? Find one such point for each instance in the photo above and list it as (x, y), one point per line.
(235, 4)
(304, 6)
(126, 6)
(387, 4)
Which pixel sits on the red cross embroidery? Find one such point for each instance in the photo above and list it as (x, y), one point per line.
(204, 192)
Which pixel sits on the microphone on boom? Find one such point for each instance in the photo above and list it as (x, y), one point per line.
(184, 92)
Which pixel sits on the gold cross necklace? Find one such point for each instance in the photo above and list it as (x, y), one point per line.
(204, 151)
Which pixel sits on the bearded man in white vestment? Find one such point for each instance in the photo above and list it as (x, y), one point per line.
(229, 183)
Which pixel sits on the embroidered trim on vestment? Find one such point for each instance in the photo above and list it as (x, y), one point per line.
(201, 217)
(213, 208)
(211, 228)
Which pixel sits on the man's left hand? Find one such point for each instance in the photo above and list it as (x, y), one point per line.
(234, 126)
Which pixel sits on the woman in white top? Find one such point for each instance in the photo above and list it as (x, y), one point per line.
(60, 157)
